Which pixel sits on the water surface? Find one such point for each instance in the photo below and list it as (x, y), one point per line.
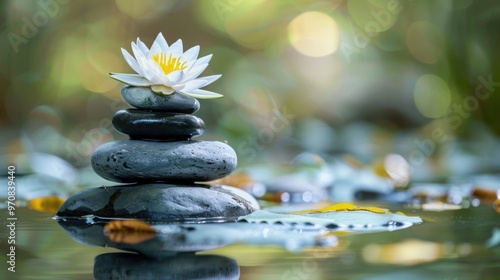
(454, 244)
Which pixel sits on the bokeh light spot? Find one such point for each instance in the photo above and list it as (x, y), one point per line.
(432, 96)
(373, 17)
(67, 65)
(398, 169)
(408, 252)
(314, 34)
(425, 42)
(95, 78)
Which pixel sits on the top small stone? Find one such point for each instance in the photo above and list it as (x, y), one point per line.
(144, 98)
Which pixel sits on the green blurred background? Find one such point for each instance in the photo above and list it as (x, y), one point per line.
(386, 68)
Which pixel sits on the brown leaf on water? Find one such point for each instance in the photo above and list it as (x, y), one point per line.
(496, 205)
(485, 195)
(129, 231)
(239, 180)
(47, 204)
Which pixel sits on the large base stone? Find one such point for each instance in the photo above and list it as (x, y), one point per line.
(134, 161)
(162, 202)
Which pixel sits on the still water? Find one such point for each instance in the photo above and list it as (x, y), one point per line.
(453, 244)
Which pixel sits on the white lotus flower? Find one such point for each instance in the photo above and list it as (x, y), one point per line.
(167, 69)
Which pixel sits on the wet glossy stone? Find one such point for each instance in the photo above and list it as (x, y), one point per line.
(145, 98)
(130, 161)
(166, 202)
(142, 124)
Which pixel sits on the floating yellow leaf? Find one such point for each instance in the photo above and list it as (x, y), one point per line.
(129, 231)
(48, 204)
(344, 206)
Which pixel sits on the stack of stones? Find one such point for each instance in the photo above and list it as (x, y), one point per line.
(163, 165)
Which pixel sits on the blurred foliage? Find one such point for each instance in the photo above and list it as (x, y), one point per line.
(362, 78)
(402, 65)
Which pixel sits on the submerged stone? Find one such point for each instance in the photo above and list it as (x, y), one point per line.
(166, 202)
(145, 98)
(141, 124)
(131, 161)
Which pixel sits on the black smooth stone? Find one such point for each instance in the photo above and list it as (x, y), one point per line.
(141, 124)
(187, 266)
(133, 161)
(161, 202)
(145, 98)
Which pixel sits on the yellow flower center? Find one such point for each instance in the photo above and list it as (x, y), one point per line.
(170, 64)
